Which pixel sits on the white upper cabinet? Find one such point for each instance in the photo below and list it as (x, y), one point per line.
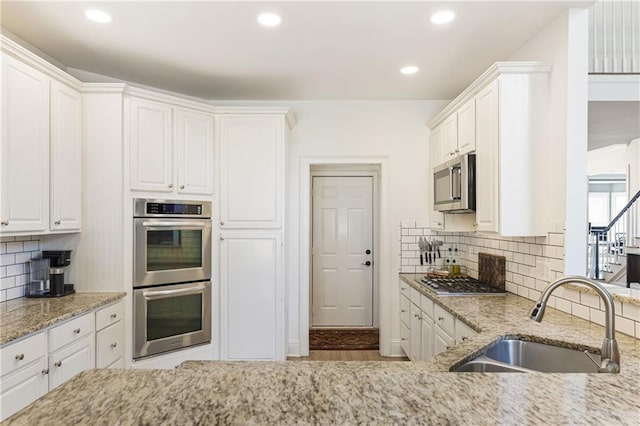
(450, 137)
(66, 158)
(171, 148)
(24, 177)
(151, 143)
(194, 134)
(487, 159)
(466, 128)
(503, 117)
(251, 170)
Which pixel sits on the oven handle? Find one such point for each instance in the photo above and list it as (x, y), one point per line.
(160, 294)
(181, 225)
(450, 183)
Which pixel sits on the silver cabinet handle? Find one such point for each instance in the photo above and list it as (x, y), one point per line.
(113, 316)
(181, 186)
(19, 357)
(58, 364)
(403, 310)
(440, 319)
(160, 294)
(404, 339)
(448, 347)
(464, 338)
(171, 224)
(5, 222)
(222, 222)
(45, 371)
(114, 345)
(57, 222)
(76, 331)
(170, 185)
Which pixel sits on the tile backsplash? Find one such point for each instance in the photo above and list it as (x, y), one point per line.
(15, 253)
(531, 264)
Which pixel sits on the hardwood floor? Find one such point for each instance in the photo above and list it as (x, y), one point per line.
(361, 355)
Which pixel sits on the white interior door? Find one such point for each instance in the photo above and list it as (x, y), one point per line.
(342, 246)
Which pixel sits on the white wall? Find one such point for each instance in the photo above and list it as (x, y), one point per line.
(607, 160)
(564, 43)
(393, 129)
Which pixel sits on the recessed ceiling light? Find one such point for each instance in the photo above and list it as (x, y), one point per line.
(409, 69)
(98, 16)
(442, 17)
(269, 19)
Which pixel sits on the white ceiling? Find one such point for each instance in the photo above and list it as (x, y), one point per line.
(322, 50)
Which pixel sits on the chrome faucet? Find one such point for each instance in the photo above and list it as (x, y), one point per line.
(610, 355)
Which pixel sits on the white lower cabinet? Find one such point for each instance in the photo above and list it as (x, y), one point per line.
(71, 360)
(252, 296)
(36, 364)
(23, 373)
(426, 328)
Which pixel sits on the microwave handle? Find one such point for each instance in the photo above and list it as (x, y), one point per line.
(180, 225)
(161, 294)
(451, 183)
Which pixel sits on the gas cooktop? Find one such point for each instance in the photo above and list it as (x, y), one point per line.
(460, 286)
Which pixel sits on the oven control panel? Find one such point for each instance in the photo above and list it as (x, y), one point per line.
(169, 208)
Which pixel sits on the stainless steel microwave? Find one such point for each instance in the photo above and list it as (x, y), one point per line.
(454, 185)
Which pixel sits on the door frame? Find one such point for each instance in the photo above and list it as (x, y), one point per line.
(382, 244)
(347, 171)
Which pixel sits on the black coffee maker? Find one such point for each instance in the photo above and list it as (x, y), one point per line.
(58, 260)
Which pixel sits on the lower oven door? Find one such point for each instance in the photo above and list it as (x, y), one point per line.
(171, 317)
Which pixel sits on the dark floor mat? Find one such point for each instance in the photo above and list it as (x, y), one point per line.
(344, 339)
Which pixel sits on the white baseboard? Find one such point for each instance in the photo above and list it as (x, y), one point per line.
(396, 349)
(294, 348)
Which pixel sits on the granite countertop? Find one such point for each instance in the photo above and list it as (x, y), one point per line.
(317, 392)
(23, 316)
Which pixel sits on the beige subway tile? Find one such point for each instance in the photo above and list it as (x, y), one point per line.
(542, 284)
(523, 248)
(518, 279)
(625, 325)
(563, 305)
(631, 311)
(597, 316)
(529, 260)
(572, 295)
(529, 282)
(556, 239)
(579, 310)
(518, 257)
(590, 300)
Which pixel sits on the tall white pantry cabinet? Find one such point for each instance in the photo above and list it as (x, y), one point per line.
(251, 152)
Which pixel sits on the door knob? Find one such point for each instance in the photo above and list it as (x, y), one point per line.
(367, 263)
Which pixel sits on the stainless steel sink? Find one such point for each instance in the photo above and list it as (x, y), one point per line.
(511, 355)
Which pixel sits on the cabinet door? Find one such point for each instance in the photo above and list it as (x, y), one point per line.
(24, 173)
(252, 297)
(427, 337)
(194, 144)
(109, 344)
(450, 136)
(66, 158)
(467, 127)
(71, 360)
(251, 171)
(436, 153)
(416, 334)
(441, 341)
(405, 339)
(150, 144)
(487, 159)
(22, 387)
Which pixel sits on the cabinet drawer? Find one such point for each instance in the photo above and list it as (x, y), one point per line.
(109, 345)
(23, 387)
(70, 331)
(415, 296)
(444, 319)
(404, 288)
(19, 354)
(109, 315)
(404, 339)
(426, 304)
(463, 331)
(405, 306)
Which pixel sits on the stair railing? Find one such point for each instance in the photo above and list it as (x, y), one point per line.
(606, 244)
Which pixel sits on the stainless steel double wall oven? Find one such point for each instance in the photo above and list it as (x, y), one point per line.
(172, 275)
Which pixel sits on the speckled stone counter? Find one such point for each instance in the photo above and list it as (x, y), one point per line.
(317, 392)
(23, 316)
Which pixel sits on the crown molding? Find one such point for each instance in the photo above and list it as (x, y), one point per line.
(14, 49)
(493, 72)
(286, 111)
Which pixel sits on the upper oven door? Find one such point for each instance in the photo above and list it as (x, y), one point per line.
(171, 251)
